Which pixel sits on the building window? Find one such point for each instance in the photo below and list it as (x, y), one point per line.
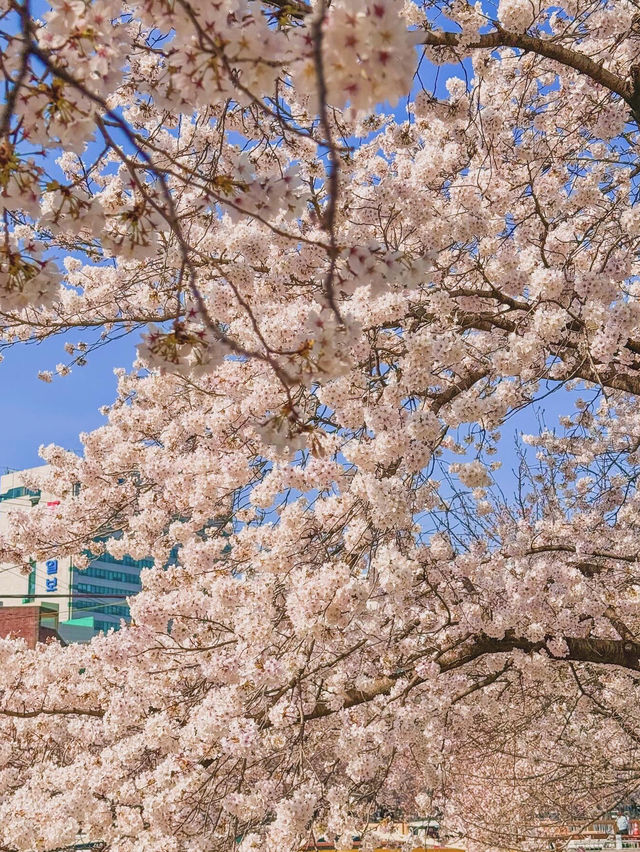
(92, 589)
(20, 491)
(106, 574)
(108, 609)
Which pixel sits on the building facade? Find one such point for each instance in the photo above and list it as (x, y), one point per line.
(32, 623)
(87, 601)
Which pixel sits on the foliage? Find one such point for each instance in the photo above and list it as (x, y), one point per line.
(342, 304)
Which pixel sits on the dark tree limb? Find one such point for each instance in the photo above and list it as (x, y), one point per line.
(550, 49)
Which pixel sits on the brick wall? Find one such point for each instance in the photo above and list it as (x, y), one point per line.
(23, 622)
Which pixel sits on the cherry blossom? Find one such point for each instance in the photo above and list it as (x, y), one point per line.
(347, 283)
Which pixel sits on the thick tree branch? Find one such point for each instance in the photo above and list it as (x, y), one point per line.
(542, 47)
(32, 714)
(612, 652)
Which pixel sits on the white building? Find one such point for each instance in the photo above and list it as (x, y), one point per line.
(87, 601)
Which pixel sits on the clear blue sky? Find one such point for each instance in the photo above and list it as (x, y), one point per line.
(34, 412)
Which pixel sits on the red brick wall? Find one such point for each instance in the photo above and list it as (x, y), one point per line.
(22, 622)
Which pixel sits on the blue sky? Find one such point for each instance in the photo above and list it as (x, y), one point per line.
(35, 413)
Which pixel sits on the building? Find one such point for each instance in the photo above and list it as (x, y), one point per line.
(32, 623)
(86, 601)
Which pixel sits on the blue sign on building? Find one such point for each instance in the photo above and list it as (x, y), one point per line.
(51, 583)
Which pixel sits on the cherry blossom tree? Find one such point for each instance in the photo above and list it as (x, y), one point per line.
(354, 238)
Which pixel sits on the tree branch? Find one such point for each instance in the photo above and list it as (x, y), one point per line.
(542, 47)
(613, 652)
(32, 714)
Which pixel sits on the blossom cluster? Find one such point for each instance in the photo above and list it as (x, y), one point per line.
(338, 309)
